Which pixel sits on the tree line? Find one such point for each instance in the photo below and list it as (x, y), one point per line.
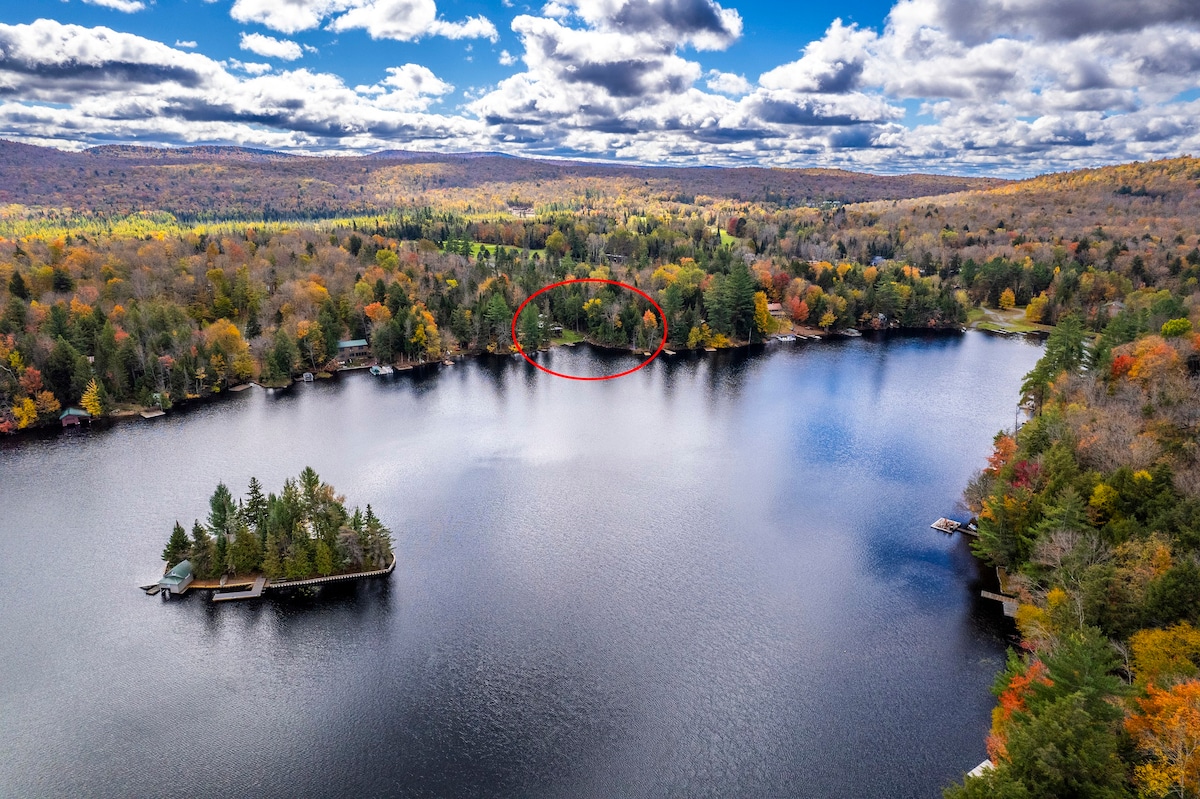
(159, 319)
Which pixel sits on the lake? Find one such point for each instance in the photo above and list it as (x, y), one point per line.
(714, 577)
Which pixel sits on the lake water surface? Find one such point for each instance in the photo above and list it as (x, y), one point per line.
(714, 577)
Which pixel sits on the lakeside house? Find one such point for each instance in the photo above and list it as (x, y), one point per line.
(353, 348)
(775, 309)
(72, 416)
(177, 580)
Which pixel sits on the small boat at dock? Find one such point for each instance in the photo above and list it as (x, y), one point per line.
(946, 525)
(382, 370)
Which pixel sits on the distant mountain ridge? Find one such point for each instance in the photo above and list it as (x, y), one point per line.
(211, 182)
(200, 152)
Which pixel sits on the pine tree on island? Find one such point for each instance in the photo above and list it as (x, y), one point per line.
(305, 531)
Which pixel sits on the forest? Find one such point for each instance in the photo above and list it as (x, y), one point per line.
(118, 314)
(304, 531)
(1093, 509)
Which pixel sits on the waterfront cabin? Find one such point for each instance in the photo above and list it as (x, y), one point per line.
(353, 348)
(177, 580)
(72, 416)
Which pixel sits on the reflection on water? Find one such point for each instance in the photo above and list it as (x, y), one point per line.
(714, 577)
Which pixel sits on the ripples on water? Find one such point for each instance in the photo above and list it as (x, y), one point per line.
(714, 577)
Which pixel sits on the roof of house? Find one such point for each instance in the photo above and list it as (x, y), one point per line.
(354, 342)
(178, 573)
(74, 412)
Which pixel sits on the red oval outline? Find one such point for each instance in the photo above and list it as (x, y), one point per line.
(662, 317)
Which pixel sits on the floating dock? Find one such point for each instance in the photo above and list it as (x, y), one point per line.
(154, 414)
(951, 526)
(1010, 602)
(253, 592)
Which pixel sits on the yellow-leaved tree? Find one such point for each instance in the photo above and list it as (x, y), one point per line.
(91, 401)
(25, 412)
(763, 321)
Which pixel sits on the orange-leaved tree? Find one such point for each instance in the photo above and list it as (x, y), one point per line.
(1167, 732)
(1012, 700)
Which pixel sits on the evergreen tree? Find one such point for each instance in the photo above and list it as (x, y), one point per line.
(739, 289)
(283, 356)
(221, 556)
(272, 567)
(254, 512)
(323, 560)
(1065, 351)
(62, 373)
(17, 287)
(204, 553)
(530, 332)
(222, 512)
(310, 483)
(377, 541)
(178, 546)
(297, 565)
(246, 552)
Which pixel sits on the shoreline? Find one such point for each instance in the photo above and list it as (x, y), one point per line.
(129, 413)
(244, 583)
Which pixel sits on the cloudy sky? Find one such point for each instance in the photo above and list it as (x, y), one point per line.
(1004, 87)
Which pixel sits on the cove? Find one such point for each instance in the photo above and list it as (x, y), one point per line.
(713, 577)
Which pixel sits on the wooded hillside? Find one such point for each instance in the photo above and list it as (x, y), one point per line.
(206, 183)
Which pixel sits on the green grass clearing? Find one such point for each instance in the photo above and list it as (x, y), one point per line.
(567, 337)
(1000, 321)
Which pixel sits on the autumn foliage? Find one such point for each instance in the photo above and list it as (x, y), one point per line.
(1010, 701)
(1166, 730)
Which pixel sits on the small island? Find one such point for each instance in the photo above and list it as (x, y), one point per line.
(304, 536)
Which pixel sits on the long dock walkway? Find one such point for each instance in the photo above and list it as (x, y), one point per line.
(261, 583)
(274, 584)
(253, 592)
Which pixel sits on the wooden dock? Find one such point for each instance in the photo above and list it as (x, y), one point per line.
(1010, 602)
(276, 584)
(253, 592)
(154, 414)
(668, 352)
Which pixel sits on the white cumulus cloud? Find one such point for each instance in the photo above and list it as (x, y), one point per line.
(402, 20)
(127, 6)
(271, 47)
